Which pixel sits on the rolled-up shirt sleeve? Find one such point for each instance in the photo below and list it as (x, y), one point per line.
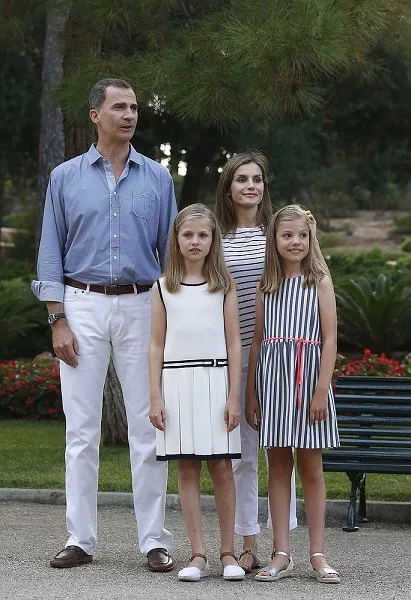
(50, 284)
(167, 215)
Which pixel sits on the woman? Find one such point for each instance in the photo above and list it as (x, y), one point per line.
(243, 208)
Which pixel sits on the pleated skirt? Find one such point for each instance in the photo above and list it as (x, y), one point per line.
(194, 400)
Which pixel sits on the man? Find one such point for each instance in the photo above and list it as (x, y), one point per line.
(106, 221)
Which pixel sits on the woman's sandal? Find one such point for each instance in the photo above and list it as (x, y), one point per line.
(273, 574)
(245, 564)
(326, 574)
(194, 573)
(231, 572)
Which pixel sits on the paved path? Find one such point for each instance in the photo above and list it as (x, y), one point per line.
(374, 563)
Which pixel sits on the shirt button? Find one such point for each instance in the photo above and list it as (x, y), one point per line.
(115, 257)
(115, 235)
(115, 193)
(115, 214)
(115, 278)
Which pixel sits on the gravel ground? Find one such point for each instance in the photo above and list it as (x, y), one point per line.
(374, 563)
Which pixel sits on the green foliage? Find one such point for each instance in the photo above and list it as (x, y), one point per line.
(406, 245)
(12, 269)
(403, 224)
(328, 240)
(30, 389)
(375, 315)
(216, 62)
(353, 265)
(23, 328)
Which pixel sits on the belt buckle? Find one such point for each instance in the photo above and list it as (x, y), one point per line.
(111, 290)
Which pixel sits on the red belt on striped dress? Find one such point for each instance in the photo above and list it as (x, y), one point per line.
(301, 342)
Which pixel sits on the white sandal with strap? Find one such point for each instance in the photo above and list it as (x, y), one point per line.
(274, 574)
(231, 572)
(323, 575)
(194, 573)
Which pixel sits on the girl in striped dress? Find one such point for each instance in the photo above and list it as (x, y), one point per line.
(195, 366)
(289, 398)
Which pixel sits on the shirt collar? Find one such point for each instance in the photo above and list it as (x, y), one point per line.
(93, 155)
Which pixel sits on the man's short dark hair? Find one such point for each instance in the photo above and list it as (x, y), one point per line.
(98, 91)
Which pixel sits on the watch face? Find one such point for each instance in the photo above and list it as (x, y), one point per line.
(51, 319)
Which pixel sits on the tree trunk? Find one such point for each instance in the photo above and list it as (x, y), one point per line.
(114, 421)
(51, 145)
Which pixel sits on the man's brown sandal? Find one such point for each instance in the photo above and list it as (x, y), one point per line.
(159, 560)
(245, 564)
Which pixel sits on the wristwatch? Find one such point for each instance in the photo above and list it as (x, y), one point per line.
(54, 317)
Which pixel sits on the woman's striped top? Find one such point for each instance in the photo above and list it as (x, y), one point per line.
(244, 256)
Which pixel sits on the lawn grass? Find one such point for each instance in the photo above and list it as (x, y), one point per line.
(32, 456)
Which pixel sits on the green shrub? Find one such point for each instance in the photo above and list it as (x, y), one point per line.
(30, 389)
(404, 263)
(12, 268)
(20, 220)
(375, 315)
(23, 328)
(406, 245)
(345, 266)
(403, 224)
(329, 240)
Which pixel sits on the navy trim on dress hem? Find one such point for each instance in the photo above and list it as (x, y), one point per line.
(199, 456)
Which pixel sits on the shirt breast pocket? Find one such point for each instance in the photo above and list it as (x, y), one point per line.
(141, 204)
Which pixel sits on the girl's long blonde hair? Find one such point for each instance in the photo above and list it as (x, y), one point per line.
(313, 266)
(215, 271)
(224, 208)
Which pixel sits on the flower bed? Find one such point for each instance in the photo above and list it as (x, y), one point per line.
(30, 389)
(371, 364)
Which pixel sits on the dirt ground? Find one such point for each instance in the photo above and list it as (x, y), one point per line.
(367, 229)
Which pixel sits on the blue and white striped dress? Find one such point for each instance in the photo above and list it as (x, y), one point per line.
(291, 315)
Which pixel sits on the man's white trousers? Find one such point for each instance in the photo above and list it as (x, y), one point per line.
(105, 325)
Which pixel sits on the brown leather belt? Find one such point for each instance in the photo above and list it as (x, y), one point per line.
(109, 290)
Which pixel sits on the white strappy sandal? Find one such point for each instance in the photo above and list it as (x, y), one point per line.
(323, 575)
(274, 574)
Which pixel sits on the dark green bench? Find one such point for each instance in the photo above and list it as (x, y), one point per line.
(374, 422)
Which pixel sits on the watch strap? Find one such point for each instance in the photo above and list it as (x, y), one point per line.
(53, 317)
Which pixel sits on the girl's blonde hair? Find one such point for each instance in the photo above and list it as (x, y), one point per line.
(215, 271)
(224, 208)
(313, 266)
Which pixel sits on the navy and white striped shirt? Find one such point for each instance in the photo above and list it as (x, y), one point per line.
(244, 256)
(95, 232)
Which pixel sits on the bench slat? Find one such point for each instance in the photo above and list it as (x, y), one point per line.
(374, 408)
(364, 399)
(372, 420)
(392, 432)
(376, 453)
(375, 443)
(366, 467)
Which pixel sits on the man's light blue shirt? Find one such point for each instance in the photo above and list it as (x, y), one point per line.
(99, 233)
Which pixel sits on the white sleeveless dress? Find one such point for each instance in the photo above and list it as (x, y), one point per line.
(195, 377)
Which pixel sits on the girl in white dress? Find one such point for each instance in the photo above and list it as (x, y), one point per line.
(195, 367)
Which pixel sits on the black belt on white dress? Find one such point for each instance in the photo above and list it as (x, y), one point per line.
(197, 362)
